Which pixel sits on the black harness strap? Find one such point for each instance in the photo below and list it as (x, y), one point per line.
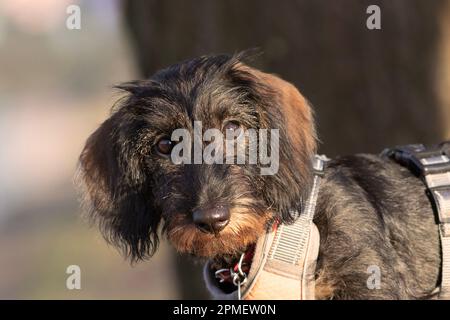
(432, 165)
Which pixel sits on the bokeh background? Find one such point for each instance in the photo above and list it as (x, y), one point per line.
(370, 89)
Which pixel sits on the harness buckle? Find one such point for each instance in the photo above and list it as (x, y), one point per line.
(444, 229)
(441, 197)
(319, 163)
(422, 161)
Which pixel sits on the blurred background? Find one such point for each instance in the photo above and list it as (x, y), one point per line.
(370, 89)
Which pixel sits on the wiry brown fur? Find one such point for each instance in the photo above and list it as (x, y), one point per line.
(131, 189)
(370, 211)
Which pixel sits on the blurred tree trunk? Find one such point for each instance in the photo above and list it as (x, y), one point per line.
(370, 88)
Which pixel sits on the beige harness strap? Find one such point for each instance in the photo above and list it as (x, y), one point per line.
(433, 166)
(284, 262)
(293, 280)
(445, 284)
(289, 270)
(439, 186)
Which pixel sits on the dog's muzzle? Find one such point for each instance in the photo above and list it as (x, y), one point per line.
(284, 260)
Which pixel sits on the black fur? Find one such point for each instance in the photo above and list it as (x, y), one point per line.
(370, 211)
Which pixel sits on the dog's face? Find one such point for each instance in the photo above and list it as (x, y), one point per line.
(135, 190)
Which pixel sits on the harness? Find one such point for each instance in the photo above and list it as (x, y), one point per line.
(432, 165)
(283, 262)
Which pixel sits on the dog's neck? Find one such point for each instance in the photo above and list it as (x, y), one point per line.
(230, 260)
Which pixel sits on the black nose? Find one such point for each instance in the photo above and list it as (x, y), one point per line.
(211, 220)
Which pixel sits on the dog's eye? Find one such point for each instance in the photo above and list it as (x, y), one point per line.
(231, 125)
(232, 129)
(164, 146)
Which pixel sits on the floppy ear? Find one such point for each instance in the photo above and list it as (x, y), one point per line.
(113, 183)
(281, 106)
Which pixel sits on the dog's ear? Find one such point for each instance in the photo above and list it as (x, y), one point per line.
(281, 106)
(114, 187)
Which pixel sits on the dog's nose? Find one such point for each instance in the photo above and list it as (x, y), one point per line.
(211, 220)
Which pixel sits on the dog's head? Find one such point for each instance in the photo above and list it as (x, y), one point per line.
(135, 190)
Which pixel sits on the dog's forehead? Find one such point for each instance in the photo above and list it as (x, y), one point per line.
(209, 97)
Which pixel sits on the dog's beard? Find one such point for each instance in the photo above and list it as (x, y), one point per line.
(246, 225)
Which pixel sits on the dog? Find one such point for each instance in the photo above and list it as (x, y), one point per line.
(370, 210)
